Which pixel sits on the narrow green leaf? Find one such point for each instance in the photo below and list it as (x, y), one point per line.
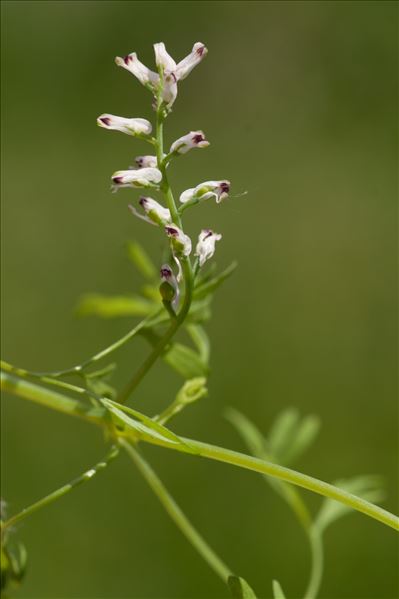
(303, 437)
(277, 590)
(201, 340)
(204, 289)
(141, 260)
(185, 361)
(248, 431)
(93, 304)
(368, 487)
(239, 588)
(281, 434)
(144, 427)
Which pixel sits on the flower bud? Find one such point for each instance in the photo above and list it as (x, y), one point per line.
(146, 161)
(194, 139)
(181, 242)
(130, 126)
(144, 177)
(132, 64)
(169, 288)
(186, 65)
(206, 245)
(209, 189)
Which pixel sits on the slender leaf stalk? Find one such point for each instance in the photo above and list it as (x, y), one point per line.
(87, 475)
(177, 515)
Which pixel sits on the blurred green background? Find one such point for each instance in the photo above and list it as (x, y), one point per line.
(299, 101)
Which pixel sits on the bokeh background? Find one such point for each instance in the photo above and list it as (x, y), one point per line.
(299, 100)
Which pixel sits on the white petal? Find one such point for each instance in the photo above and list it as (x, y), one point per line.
(186, 65)
(134, 126)
(132, 64)
(187, 195)
(163, 58)
(169, 93)
(146, 161)
(194, 139)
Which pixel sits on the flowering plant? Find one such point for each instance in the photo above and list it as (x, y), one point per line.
(179, 295)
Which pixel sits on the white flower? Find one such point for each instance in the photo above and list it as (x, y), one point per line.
(155, 213)
(186, 65)
(146, 161)
(132, 64)
(206, 245)
(209, 189)
(129, 126)
(180, 241)
(163, 59)
(169, 92)
(144, 177)
(194, 139)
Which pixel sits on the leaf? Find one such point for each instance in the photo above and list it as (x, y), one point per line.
(281, 434)
(277, 590)
(93, 304)
(144, 427)
(201, 340)
(248, 431)
(367, 487)
(239, 588)
(185, 361)
(141, 260)
(304, 436)
(204, 289)
(100, 387)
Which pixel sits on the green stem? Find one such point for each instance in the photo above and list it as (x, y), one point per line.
(296, 478)
(175, 512)
(317, 556)
(186, 266)
(96, 415)
(63, 490)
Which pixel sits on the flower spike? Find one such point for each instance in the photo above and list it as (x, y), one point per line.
(194, 139)
(128, 126)
(144, 177)
(206, 245)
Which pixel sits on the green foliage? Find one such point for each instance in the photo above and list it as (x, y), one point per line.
(277, 590)
(139, 257)
(239, 588)
(139, 427)
(367, 487)
(112, 306)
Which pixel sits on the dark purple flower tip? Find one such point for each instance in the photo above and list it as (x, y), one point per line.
(225, 187)
(142, 201)
(106, 120)
(172, 231)
(166, 272)
(117, 180)
(200, 50)
(139, 162)
(207, 233)
(198, 138)
(127, 59)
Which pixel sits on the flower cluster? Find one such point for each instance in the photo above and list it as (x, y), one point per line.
(150, 171)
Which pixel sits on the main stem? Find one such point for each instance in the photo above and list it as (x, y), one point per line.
(186, 267)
